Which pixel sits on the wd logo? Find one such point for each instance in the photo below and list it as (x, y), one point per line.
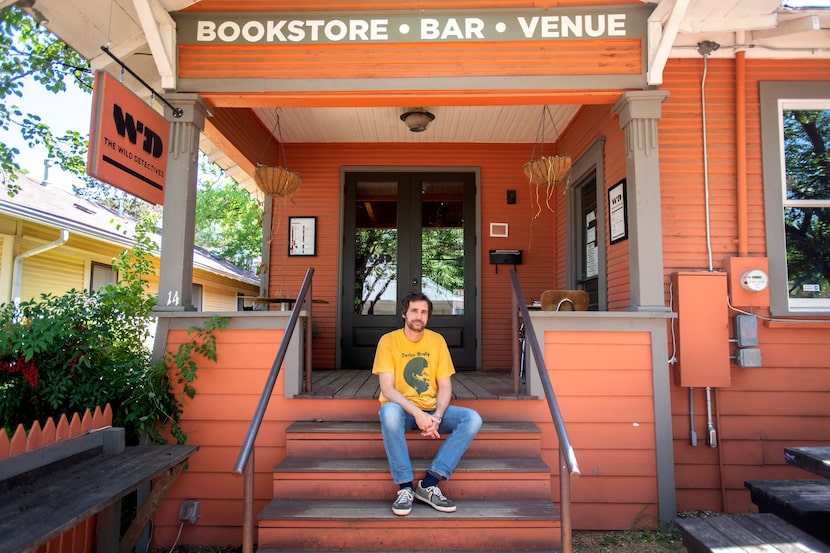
(127, 127)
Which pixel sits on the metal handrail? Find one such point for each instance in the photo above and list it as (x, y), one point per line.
(567, 457)
(245, 462)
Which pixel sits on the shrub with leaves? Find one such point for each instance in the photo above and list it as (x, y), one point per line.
(66, 353)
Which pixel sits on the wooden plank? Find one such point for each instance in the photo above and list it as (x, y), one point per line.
(755, 533)
(349, 511)
(515, 429)
(699, 536)
(771, 529)
(472, 464)
(32, 514)
(143, 516)
(362, 384)
(475, 389)
(803, 503)
(48, 454)
(813, 459)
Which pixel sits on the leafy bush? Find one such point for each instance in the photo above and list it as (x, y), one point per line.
(67, 353)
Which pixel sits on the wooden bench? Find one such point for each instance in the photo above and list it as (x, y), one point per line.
(47, 491)
(750, 533)
(802, 503)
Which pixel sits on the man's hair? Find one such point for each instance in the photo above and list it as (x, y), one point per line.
(415, 296)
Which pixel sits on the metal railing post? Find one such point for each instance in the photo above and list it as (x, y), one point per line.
(308, 329)
(245, 461)
(565, 504)
(248, 537)
(567, 458)
(517, 369)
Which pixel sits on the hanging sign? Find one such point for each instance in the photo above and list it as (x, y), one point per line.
(127, 141)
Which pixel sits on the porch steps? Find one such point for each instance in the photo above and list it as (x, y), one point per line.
(333, 492)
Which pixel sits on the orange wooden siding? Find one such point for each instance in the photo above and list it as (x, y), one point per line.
(787, 401)
(542, 237)
(320, 194)
(397, 60)
(593, 122)
(602, 381)
(606, 404)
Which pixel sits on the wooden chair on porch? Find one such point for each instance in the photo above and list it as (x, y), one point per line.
(564, 300)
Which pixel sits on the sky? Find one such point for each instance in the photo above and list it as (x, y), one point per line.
(63, 111)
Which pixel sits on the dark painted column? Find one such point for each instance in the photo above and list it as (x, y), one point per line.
(176, 270)
(639, 112)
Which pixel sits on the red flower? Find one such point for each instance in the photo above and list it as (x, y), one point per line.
(20, 365)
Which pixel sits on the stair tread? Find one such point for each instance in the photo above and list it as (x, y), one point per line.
(373, 510)
(471, 464)
(373, 427)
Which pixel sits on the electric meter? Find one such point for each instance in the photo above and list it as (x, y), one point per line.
(754, 281)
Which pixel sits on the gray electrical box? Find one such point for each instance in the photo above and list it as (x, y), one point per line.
(748, 357)
(746, 330)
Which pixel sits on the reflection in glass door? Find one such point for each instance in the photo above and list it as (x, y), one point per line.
(408, 232)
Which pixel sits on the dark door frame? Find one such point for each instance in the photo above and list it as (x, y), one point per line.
(588, 169)
(475, 262)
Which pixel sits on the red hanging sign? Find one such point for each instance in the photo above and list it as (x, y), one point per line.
(127, 141)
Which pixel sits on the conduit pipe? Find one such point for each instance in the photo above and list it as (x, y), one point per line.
(740, 149)
(17, 275)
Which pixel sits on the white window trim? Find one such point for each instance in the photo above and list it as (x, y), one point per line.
(774, 97)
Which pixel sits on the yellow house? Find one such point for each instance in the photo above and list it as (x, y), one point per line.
(52, 241)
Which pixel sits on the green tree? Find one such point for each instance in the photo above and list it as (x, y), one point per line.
(228, 220)
(115, 199)
(32, 52)
(806, 134)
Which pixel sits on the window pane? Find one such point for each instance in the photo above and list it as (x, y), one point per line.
(442, 246)
(808, 251)
(376, 248)
(101, 276)
(807, 202)
(806, 155)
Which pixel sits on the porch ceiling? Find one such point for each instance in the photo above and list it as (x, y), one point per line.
(141, 33)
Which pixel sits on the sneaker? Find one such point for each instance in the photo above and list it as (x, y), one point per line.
(403, 504)
(433, 496)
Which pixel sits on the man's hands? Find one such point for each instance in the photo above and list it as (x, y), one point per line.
(428, 424)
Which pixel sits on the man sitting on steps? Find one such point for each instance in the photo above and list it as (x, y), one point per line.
(414, 367)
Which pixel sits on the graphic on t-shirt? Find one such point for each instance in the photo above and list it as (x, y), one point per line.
(416, 374)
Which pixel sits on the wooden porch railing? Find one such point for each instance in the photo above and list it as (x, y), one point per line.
(80, 539)
(245, 462)
(568, 466)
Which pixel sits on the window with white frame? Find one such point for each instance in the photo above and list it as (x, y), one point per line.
(795, 128)
(101, 275)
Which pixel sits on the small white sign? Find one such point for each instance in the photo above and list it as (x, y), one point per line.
(498, 230)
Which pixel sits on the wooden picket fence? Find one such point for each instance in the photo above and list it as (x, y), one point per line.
(80, 539)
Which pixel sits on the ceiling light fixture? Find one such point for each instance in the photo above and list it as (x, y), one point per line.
(418, 119)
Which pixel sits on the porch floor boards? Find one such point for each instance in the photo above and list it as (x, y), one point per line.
(362, 384)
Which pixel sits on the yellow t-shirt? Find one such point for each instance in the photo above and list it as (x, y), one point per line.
(417, 365)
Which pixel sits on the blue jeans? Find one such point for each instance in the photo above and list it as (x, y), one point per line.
(460, 423)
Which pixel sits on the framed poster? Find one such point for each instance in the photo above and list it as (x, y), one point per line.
(617, 220)
(302, 236)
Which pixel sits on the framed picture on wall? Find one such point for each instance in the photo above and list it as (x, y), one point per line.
(617, 220)
(302, 236)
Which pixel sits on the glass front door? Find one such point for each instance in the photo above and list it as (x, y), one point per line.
(408, 232)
